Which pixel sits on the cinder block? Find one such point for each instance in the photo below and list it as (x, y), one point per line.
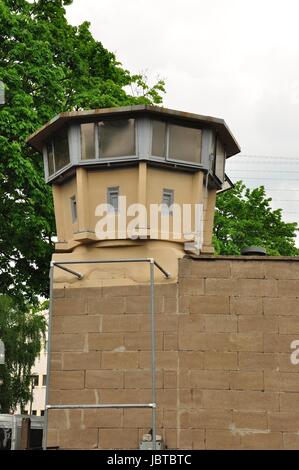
(191, 439)
(66, 306)
(142, 379)
(165, 360)
(282, 381)
(289, 288)
(262, 441)
(73, 397)
(119, 360)
(256, 401)
(141, 304)
(289, 325)
(81, 360)
(291, 441)
(170, 341)
(79, 439)
(138, 341)
(220, 360)
(284, 421)
(222, 439)
(67, 342)
(258, 323)
(220, 323)
(191, 323)
(118, 439)
(170, 305)
(278, 343)
(281, 305)
(217, 287)
(256, 287)
(209, 379)
(67, 380)
(105, 418)
(105, 341)
(244, 305)
(258, 361)
(191, 360)
(289, 401)
(211, 268)
(250, 420)
(81, 324)
(282, 270)
(98, 379)
(246, 380)
(247, 269)
(106, 305)
(191, 286)
(120, 323)
(170, 379)
(210, 419)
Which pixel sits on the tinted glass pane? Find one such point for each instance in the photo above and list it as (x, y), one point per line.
(220, 159)
(61, 149)
(50, 159)
(117, 138)
(159, 135)
(184, 143)
(87, 141)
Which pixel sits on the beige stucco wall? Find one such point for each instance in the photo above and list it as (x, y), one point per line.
(224, 375)
(140, 184)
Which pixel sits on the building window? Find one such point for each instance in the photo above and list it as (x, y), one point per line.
(74, 209)
(159, 139)
(112, 198)
(219, 161)
(88, 151)
(61, 149)
(44, 380)
(184, 143)
(42, 412)
(58, 152)
(116, 138)
(175, 142)
(34, 412)
(25, 412)
(167, 201)
(34, 379)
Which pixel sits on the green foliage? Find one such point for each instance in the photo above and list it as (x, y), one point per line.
(47, 66)
(244, 217)
(22, 330)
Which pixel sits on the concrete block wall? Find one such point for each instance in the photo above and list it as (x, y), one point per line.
(224, 375)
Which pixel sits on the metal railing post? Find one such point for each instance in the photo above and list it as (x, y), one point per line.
(153, 351)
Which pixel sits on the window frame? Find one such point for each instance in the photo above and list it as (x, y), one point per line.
(110, 191)
(74, 210)
(167, 192)
(167, 157)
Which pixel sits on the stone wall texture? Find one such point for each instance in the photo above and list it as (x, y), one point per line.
(224, 375)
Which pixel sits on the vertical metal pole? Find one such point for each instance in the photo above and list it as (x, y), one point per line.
(153, 350)
(45, 431)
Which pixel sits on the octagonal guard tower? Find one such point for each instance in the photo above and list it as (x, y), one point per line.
(129, 183)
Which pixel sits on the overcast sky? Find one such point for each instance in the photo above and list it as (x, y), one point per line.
(234, 59)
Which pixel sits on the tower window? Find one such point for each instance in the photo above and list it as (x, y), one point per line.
(74, 209)
(112, 198)
(167, 200)
(116, 138)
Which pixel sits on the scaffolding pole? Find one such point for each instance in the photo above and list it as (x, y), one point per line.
(153, 405)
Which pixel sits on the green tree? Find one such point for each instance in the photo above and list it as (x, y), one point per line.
(48, 66)
(244, 217)
(22, 330)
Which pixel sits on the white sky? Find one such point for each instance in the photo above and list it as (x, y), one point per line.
(235, 59)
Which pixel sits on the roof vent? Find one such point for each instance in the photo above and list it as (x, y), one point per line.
(253, 251)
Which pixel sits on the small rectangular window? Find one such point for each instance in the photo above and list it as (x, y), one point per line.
(167, 200)
(74, 209)
(34, 412)
(87, 141)
(44, 380)
(42, 412)
(112, 198)
(220, 161)
(116, 138)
